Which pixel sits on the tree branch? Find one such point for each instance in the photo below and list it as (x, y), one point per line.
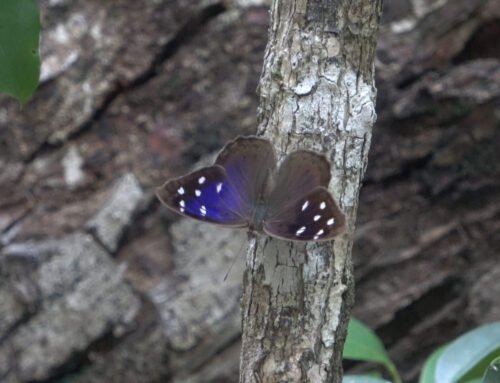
(316, 92)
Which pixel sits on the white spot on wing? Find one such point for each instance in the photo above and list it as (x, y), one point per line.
(181, 190)
(219, 187)
(197, 192)
(316, 217)
(322, 205)
(182, 203)
(330, 222)
(203, 210)
(318, 234)
(305, 205)
(182, 210)
(201, 180)
(300, 231)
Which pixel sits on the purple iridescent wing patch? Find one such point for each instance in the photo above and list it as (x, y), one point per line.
(205, 194)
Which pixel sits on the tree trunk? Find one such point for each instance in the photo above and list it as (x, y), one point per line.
(316, 92)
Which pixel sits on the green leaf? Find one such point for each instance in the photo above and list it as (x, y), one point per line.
(465, 356)
(492, 373)
(477, 371)
(19, 57)
(362, 344)
(429, 370)
(362, 379)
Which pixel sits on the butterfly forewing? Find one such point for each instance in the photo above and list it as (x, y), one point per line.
(249, 162)
(313, 217)
(206, 195)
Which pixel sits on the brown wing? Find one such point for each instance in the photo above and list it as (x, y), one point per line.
(300, 172)
(313, 217)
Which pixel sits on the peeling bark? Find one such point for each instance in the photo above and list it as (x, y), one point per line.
(317, 92)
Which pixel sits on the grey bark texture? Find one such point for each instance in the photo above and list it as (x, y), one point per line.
(316, 92)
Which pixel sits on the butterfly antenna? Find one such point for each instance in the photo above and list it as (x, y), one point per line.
(234, 260)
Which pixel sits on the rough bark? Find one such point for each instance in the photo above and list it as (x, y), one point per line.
(316, 91)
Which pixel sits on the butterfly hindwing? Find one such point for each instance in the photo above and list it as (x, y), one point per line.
(206, 195)
(313, 217)
(300, 172)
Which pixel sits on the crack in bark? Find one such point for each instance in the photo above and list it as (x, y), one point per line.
(151, 205)
(431, 302)
(406, 171)
(81, 359)
(184, 35)
(78, 359)
(45, 301)
(12, 224)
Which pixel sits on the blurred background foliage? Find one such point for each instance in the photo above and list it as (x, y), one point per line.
(19, 58)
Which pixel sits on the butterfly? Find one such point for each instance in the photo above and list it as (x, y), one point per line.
(245, 189)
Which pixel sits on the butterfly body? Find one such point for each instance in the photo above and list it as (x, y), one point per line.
(244, 189)
(259, 213)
